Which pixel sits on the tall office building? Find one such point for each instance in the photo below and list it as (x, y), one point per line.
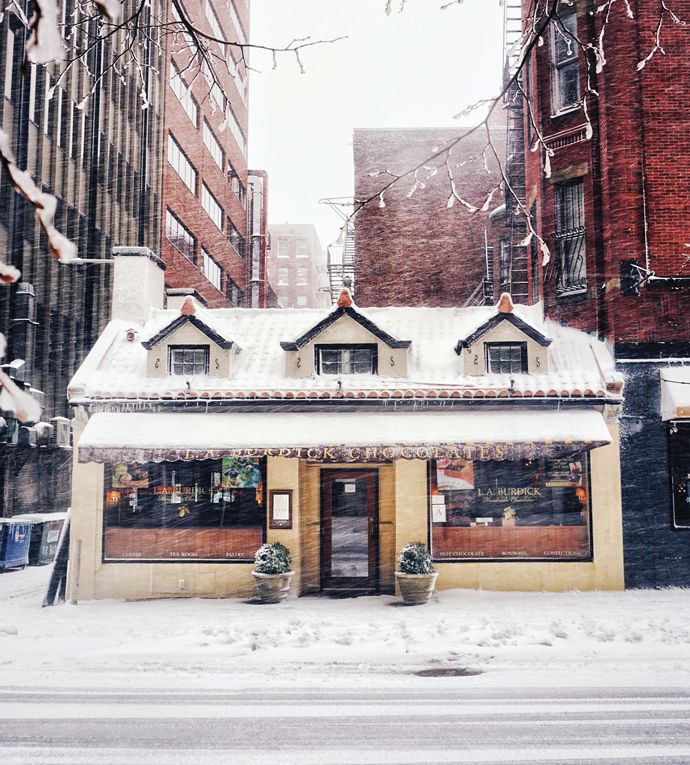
(205, 181)
(83, 135)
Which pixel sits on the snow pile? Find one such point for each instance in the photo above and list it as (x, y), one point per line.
(540, 638)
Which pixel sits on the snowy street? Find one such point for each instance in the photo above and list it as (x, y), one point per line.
(471, 677)
(445, 724)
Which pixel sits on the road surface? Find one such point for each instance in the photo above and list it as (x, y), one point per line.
(444, 724)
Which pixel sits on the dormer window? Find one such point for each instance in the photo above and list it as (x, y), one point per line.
(505, 358)
(346, 359)
(188, 359)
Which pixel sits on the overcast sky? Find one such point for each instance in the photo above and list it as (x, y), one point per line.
(412, 69)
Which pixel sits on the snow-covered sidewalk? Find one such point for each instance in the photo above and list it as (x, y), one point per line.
(573, 638)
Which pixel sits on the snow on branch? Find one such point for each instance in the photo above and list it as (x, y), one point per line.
(109, 9)
(13, 399)
(44, 44)
(61, 248)
(665, 12)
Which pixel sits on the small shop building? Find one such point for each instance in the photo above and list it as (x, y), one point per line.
(488, 433)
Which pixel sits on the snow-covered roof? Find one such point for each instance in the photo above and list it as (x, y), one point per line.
(579, 365)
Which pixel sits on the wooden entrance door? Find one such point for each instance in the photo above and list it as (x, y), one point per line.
(349, 523)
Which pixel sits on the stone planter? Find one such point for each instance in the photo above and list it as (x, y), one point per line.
(416, 589)
(273, 587)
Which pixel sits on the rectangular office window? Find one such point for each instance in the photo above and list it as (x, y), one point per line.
(214, 23)
(505, 358)
(236, 184)
(570, 237)
(233, 292)
(213, 86)
(9, 64)
(181, 90)
(213, 145)
(302, 250)
(283, 276)
(208, 202)
(346, 359)
(181, 165)
(536, 509)
(212, 271)
(180, 35)
(180, 236)
(565, 69)
(235, 129)
(239, 30)
(49, 104)
(302, 276)
(75, 116)
(235, 238)
(33, 70)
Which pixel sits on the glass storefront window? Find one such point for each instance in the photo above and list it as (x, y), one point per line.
(510, 510)
(207, 510)
(679, 458)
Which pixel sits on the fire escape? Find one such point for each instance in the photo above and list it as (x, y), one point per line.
(514, 276)
(341, 254)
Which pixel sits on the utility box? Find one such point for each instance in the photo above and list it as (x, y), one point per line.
(45, 535)
(15, 537)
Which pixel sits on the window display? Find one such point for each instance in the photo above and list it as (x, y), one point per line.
(526, 509)
(679, 458)
(205, 510)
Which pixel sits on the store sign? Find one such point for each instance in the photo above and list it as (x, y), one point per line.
(336, 453)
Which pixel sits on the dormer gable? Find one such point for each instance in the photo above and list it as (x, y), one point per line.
(189, 345)
(344, 330)
(504, 344)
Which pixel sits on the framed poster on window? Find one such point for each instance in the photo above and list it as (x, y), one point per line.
(280, 509)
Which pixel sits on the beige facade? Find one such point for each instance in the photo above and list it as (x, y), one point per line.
(511, 478)
(345, 331)
(402, 516)
(474, 357)
(220, 359)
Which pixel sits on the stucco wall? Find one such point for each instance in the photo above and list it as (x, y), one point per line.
(604, 572)
(218, 361)
(403, 518)
(346, 331)
(537, 355)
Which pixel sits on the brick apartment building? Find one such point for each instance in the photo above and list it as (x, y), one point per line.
(614, 213)
(205, 179)
(101, 158)
(296, 266)
(416, 250)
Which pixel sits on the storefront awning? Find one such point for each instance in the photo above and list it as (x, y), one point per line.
(675, 393)
(341, 436)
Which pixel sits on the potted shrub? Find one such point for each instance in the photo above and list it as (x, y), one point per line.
(272, 572)
(416, 576)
